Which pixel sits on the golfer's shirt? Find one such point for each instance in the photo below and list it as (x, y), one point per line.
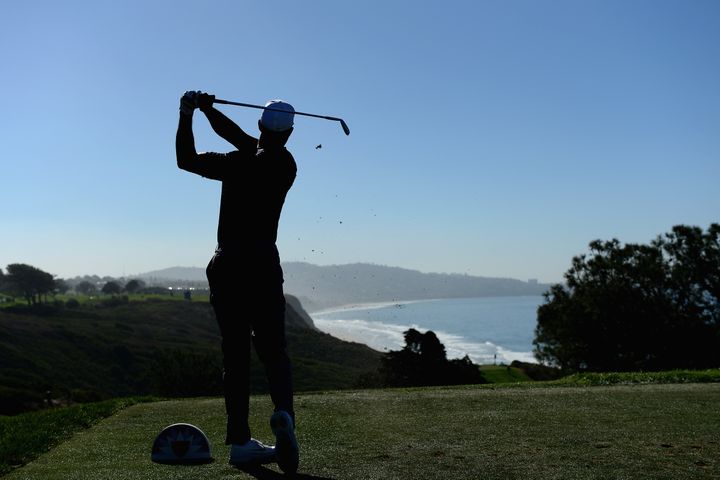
(254, 185)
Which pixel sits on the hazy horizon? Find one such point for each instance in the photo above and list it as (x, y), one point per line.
(202, 268)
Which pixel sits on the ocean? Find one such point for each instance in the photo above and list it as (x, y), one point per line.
(489, 330)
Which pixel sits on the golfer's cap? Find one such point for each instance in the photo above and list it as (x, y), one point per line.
(280, 118)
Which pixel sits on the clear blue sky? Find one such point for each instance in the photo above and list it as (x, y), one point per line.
(494, 138)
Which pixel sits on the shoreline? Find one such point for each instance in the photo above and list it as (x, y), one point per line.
(387, 335)
(349, 307)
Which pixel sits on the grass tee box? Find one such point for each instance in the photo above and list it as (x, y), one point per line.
(628, 431)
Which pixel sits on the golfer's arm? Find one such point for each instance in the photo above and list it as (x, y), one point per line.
(208, 164)
(185, 152)
(229, 130)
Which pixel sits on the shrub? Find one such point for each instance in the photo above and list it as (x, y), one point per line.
(72, 303)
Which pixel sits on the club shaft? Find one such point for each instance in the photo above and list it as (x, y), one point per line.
(227, 102)
(239, 104)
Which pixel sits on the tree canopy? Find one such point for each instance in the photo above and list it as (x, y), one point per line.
(423, 361)
(134, 285)
(28, 282)
(111, 288)
(636, 307)
(85, 287)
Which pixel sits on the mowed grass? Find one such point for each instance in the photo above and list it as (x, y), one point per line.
(23, 437)
(606, 432)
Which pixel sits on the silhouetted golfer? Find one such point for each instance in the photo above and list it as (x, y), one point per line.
(245, 276)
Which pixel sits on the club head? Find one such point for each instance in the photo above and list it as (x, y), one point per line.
(345, 127)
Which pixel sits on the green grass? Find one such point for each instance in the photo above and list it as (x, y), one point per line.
(643, 431)
(633, 378)
(23, 437)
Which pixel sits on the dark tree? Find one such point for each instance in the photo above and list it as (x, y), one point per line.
(431, 349)
(85, 288)
(636, 307)
(28, 282)
(413, 341)
(134, 285)
(423, 361)
(61, 286)
(111, 288)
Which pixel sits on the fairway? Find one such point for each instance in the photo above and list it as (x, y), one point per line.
(648, 431)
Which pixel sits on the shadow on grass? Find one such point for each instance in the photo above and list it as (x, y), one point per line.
(263, 473)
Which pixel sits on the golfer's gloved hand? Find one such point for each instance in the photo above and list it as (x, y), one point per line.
(205, 101)
(188, 102)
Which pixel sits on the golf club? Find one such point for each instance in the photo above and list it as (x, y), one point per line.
(238, 104)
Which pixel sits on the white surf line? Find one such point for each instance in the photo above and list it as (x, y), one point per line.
(388, 336)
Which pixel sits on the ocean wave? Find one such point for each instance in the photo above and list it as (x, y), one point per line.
(386, 336)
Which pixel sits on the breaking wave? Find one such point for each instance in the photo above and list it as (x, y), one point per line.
(388, 336)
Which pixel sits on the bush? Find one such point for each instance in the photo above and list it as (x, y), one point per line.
(114, 301)
(86, 396)
(72, 303)
(181, 373)
(18, 400)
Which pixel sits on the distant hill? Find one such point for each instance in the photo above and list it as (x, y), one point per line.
(321, 287)
(327, 286)
(163, 347)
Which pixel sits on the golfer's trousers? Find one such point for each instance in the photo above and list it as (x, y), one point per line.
(247, 296)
